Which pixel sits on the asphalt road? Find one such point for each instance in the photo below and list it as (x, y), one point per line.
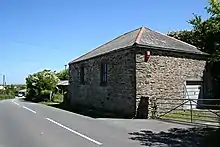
(25, 124)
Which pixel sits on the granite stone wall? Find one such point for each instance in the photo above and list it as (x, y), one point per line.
(119, 93)
(162, 78)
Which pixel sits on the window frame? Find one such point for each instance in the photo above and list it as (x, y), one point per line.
(104, 74)
(82, 74)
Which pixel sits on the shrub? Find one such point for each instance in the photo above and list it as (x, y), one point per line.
(57, 98)
(45, 95)
(40, 84)
(5, 97)
(63, 75)
(31, 94)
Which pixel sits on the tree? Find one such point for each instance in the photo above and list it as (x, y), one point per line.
(205, 33)
(185, 35)
(63, 75)
(40, 83)
(206, 36)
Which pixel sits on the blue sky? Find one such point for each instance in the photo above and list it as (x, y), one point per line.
(39, 34)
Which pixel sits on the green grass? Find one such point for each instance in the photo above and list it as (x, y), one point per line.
(57, 98)
(185, 115)
(5, 97)
(48, 103)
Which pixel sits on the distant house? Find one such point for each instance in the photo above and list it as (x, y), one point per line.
(140, 63)
(63, 85)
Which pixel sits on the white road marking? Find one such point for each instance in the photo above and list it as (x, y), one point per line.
(77, 133)
(15, 103)
(28, 109)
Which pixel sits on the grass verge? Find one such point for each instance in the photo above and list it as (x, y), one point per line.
(48, 103)
(5, 97)
(197, 115)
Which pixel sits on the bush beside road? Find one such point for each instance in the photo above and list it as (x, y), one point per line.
(10, 91)
(5, 97)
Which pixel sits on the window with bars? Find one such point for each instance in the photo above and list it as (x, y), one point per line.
(104, 74)
(82, 75)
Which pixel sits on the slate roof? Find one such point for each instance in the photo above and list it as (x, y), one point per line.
(63, 83)
(145, 37)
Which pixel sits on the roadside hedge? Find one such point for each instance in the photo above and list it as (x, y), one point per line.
(57, 97)
(5, 97)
